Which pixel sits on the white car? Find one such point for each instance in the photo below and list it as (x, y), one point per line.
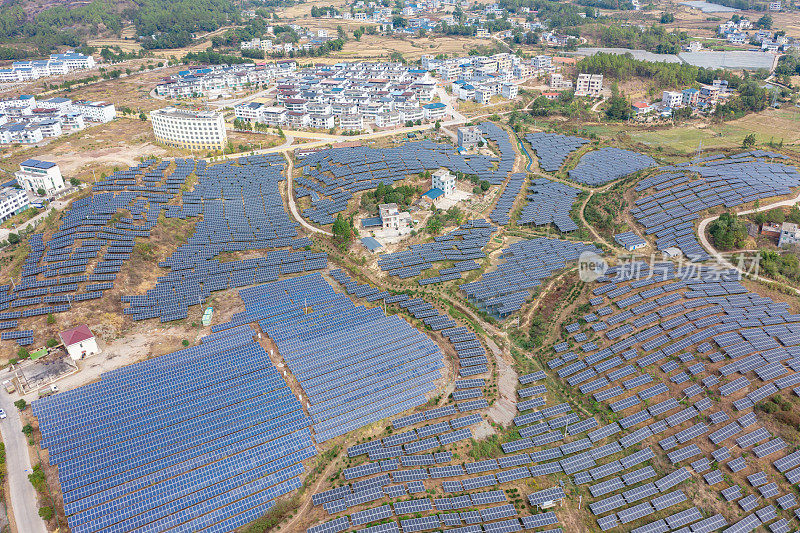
(2, 414)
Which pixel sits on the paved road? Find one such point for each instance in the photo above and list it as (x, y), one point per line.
(22, 494)
(58, 205)
(701, 234)
(293, 205)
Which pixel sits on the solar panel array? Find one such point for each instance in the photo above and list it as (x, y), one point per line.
(470, 352)
(501, 213)
(670, 320)
(553, 149)
(607, 164)
(154, 445)
(236, 205)
(549, 202)
(680, 192)
(352, 376)
(462, 247)
(331, 177)
(527, 262)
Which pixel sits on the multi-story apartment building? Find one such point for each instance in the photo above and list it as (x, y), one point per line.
(12, 201)
(193, 130)
(589, 85)
(34, 175)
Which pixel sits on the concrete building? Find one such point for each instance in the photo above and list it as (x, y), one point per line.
(509, 91)
(435, 111)
(469, 137)
(194, 130)
(443, 180)
(95, 111)
(12, 201)
(589, 85)
(790, 234)
(393, 219)
(672, 99)
(557, 82)
(689, 96)
(79, 342)
(34, 175)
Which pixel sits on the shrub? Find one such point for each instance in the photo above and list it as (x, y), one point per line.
(21, 404)
(46, 513)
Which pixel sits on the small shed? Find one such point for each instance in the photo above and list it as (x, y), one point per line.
(79, 342)
(630, 241)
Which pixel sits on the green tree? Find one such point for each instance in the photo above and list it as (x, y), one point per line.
(484, 185)
(437, 125)
(27, 429)
(775, 216)
(40, 191)
(749, 140)
(342, 230)
(728, 232)
(21, 404)
(51, 343)
(142, 116)
(46, 513)
(51, 319)
(764, 22)
(13, 238)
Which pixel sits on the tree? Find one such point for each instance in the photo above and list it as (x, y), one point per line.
(51, 343)
(21, 404)
(342, 230)
(40, 191)
(728, 232)
(142, 116)
(27, 429)
(749, 140)
(775, 216)
(764, 22)
(618, 107)
(667, 18)
(13, 238)
(484, 185)
(23, 353)
(74, 182)
(51, 319)
(46, 513)
(437, 126)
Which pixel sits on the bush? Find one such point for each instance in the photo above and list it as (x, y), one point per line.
(22, 353)
(21, 404)
(13, 238)
(46, 513)
(38, 479)
(185, 342)
(51, 319)
(27, 429)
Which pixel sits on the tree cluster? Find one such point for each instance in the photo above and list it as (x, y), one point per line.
(729, 232)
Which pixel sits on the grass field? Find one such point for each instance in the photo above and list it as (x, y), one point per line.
(771, 125)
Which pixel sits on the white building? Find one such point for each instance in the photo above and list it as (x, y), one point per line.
(79, 342)
(34, 175)
(672, 99)
(74, 60)
(351, 122)
(589, 85)
(558, 83)
(509, 91)
(542, 62)
(95, 111)
(12, 201)
(194, 130)
(443, 180)
(469, 137)
(774, 6)
(323, 122)
(434, 111)
(790, 234)
(393, 219)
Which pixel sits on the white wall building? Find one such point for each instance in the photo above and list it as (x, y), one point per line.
(469, 137)
(589, 85)
(95, 111)
(443, 180)
(12, 201)
(79, 342)
(34, 175)
(672, 99)
(194, 130)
